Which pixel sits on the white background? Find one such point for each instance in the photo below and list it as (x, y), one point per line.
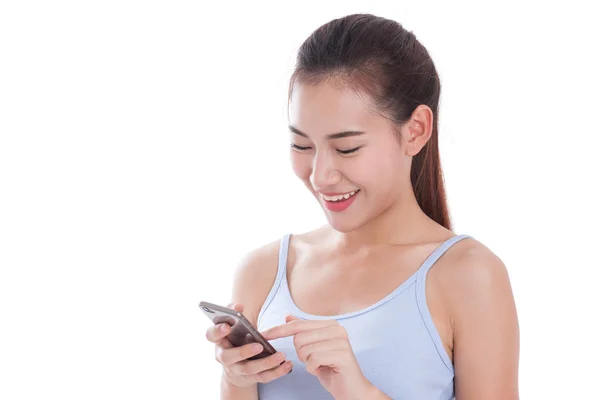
(144, 151)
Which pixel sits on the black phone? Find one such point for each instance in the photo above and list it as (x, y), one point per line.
(242, 331)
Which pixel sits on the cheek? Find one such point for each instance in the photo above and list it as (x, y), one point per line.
(379, 172)
(301, 165)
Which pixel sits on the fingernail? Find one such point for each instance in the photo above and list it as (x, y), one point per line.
(257, 347)
(223, 328)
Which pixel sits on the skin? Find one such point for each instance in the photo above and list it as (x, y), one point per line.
(368, 250)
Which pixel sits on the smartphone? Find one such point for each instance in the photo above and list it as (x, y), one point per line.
(242, 331)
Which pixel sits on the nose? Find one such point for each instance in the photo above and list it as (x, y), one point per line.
(324, 173)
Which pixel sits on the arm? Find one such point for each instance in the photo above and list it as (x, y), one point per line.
(231, 392)
(486, 330)
(252, 282)
(376, 394)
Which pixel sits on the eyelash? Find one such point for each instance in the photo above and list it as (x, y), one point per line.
(295, 146)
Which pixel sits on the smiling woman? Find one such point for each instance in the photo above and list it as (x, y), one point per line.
(384, 301)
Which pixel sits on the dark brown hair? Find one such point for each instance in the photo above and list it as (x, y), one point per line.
(378, 57)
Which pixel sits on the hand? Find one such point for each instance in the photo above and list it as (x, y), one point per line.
(239, 371)
(325, 349)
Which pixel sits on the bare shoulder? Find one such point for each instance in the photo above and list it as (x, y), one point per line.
(474, 271)
(253, 278)
(307, 243)
(313, 237)
(477, 290)
(472, 276)
(256, 273)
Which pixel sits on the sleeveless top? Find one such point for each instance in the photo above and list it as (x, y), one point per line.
(406, 360)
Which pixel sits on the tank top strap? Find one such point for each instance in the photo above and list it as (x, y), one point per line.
(433, 257)
(281, 268)
(422, 301)
(283, 255)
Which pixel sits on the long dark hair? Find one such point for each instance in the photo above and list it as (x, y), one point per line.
(378, 57)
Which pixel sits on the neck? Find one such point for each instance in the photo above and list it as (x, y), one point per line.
(402, 224)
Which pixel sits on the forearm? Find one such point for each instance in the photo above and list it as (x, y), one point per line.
(232, 392)
(379, 395)
(376, 394)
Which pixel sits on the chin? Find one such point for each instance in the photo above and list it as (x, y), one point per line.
(341, 223)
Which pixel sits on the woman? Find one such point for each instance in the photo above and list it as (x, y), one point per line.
(385, 301)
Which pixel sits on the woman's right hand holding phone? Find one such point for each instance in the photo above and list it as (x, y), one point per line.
(240, 371)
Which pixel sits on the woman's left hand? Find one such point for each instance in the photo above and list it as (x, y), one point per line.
(324, 347)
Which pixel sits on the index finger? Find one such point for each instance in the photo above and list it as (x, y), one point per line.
(294, 327)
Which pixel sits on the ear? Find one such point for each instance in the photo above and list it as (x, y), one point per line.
(290, 318)
(418, 130)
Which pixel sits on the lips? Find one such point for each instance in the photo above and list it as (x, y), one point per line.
(339, 203)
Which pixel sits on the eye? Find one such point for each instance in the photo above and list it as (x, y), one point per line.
(349, 150)
(295, 146)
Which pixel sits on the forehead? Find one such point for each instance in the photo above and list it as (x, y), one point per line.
(325, 108)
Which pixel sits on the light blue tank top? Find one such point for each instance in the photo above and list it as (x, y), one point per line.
(405, 360)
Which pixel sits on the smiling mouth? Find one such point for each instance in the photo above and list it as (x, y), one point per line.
(339, 198)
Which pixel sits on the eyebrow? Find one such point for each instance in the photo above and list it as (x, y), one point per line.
(338, 135)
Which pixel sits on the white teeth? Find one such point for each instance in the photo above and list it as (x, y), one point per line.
(338, 197)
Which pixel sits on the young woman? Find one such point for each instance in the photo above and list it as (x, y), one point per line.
(385, 301)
